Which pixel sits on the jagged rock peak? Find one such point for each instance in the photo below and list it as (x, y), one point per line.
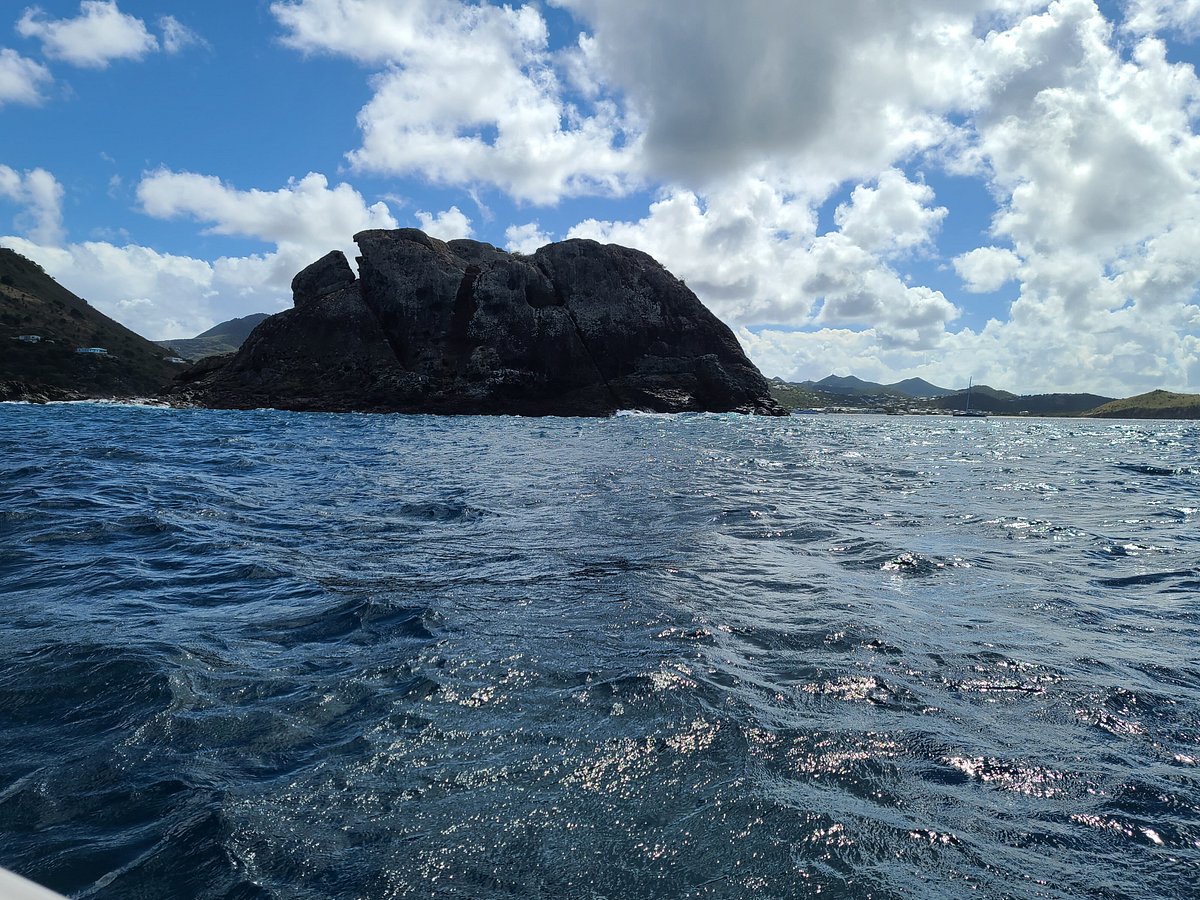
(329, 274)
(462, 251)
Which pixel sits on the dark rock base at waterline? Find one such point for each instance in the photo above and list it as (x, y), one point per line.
(12, 391)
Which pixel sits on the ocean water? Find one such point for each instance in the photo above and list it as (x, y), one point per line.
(263, 654)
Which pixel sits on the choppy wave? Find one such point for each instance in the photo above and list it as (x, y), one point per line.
(262, 654)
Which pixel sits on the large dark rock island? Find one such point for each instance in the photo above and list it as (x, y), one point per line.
(578, 328)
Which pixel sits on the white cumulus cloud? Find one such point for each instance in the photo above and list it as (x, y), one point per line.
(525, 238)
(468, 94)
(39, 195)
(304, 220)
(21, 79)
(1156, 15)
(100, 34)
(893, 215)
(446, 225)
(987, 269)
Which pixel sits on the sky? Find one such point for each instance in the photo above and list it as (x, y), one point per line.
(1003, 190)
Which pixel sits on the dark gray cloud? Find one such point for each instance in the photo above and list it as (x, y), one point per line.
(722, 85)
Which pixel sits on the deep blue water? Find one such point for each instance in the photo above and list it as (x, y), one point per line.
(263, 654)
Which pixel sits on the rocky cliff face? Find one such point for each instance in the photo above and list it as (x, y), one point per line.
(578, 328)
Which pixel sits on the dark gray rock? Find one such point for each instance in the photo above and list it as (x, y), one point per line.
(578, 328)
(13, 391)
(328, 274)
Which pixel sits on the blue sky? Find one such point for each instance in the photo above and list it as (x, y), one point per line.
(1001, 189)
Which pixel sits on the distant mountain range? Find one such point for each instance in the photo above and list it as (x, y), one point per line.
(223, 338)
(850, 386)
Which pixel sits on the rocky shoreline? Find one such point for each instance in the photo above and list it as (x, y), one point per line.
(12, 391)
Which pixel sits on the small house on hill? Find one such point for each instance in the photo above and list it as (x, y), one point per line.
(29, 338)
(98, 351)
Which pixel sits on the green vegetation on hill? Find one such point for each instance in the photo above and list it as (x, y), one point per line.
(795, 396)
(33, 303)
(851, 393)
(919, 387)
(1005, 403)
(850, 386)
(1153, 405)
(223, 338)
(980, 397)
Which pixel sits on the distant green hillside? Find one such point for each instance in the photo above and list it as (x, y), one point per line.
(223, 338)
(34, 304)
(1154, 405)
(851, 386)
(915, 395)
(982, 397)
(1005, 403)
(843, 393)
(794, 396)
(919, 387)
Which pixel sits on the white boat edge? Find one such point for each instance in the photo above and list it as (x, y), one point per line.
(14, 887)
